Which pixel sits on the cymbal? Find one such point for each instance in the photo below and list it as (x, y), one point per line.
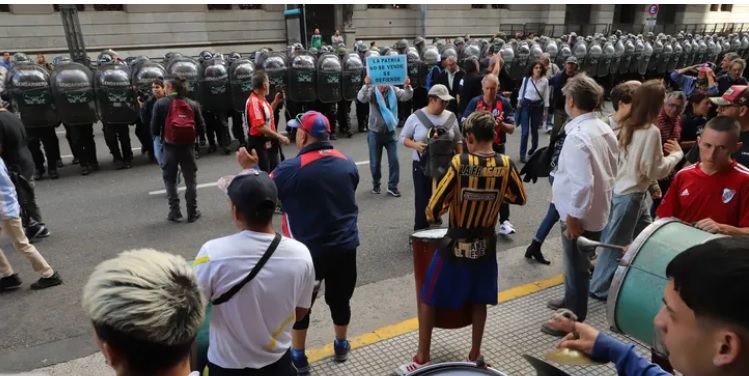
(570, 357)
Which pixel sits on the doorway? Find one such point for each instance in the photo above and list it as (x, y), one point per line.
(319, 16)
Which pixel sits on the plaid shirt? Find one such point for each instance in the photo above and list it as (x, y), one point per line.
(670, 128)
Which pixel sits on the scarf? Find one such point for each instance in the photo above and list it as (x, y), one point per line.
(387, 112)
(670, 128)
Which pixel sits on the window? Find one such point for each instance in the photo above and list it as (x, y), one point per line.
(714, 7)
(499, 6)
(726, 7)
(250, 6)
(219, 6)
(108, 7)
(5, 8)
(387, 6)
(80, 7)
(478, 6)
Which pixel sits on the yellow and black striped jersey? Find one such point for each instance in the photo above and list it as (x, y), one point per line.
(473, 189)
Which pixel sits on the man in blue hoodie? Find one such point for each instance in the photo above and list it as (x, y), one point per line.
(703, 322)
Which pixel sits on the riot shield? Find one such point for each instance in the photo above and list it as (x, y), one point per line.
(564, 53)
(593, 59)
(580, 52)
(677, 57)
(536, 52)
(604, 65)
(637, 57)
(626, 60)
(655, 58)
(414, 68)
(216, 89)
(240, 79)
(302, 78)
(521, 61)
(353, 73)
(329, 77)
(30, 94)
(701, 55)
(190, 71)
(115, 97)
(646, 56)
(144, 74)
(687, 56)
(276, 67)
(552, 49)
(667, 56)
(73, 92)
(618, 53)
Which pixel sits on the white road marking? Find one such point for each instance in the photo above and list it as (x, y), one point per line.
(71, 155)
(206, 185)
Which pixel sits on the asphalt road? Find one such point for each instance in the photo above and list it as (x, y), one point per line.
(93, 218)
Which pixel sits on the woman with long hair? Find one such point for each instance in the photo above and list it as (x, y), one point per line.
(640, 161)
(533, 106)
(694, 118)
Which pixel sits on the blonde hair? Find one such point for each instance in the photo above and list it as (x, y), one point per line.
(147, 294)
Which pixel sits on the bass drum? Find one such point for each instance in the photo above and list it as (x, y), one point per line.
(189, 69)
(115, 98)
(73, 91)
(636, 292)
(455, 369)
(31, 94)
(240, 79)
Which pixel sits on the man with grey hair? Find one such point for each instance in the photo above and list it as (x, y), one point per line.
(734, 75)
(581, 191)
(451, 77)
(146, 309)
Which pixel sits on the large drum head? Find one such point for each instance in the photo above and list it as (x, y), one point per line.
(455, 369)
(434, 234)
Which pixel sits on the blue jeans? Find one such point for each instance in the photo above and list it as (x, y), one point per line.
(628, 217)
(376, 142)
(551, 218)
(576, 274)
(530, 119)
(549, 120)
(157, 149)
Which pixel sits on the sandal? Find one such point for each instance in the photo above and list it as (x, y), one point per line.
(561, 323)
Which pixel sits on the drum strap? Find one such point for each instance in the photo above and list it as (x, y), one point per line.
(256, 269)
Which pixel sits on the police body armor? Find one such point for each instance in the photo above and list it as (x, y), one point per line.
(240, 81)
(656, 57)
(353, 73)
(31, 95)
(564, 53)
(667, 56)
(536, 52)
(646, 56)
(629, 55)
(276, 67)
(593, 59)
(115, 97)
(414, 68)
(302, 78)
(216, 89)
(521, 61)
(144, 74)
(190, 71)
(552, 49)
(73, 91)
(604, 64)
(580, 52)
(618, 54)
(329, 77)
(677, 57)
(637, 57)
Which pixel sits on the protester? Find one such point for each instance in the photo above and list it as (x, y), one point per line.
(383, 119)
(533, 107)
(694, 118)
(465, 270)
(558, 82)
(582, 190)
(263, 136)
(450, 78)
(146, 309)
(704, 79)
(250, 329)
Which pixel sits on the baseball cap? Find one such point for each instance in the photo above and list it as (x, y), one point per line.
(441, 92)
(250, 191)
(312, 122)
(737, 94)
(571, 60)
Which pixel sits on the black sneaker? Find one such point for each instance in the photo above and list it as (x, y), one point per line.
(54, 175)
(60, 164)
(128, 165)
(175, 215)
(193, 216)
(119, 164)
(85, 170)
(394, 192)
(95, 166)
(44, 283)
(11, 282)
(36, 231)
(376, 190)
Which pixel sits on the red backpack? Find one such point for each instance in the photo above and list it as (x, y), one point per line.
(179, 127)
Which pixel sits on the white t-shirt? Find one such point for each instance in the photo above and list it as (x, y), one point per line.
(253, 328)
(416, 131)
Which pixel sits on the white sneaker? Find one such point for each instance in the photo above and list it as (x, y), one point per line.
(506, 228)
(410, 367)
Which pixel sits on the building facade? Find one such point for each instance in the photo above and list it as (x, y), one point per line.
(152, 30)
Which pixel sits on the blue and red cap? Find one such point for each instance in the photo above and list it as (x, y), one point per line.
(313, 123)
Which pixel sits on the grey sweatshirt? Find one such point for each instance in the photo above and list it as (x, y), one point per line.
(366, 95)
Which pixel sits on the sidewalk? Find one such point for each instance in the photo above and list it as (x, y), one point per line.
(512, 329)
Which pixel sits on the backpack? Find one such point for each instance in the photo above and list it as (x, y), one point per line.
(438, 153)
(179, 127)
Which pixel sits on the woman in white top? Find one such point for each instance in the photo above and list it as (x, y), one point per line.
(533, 107)
(415, 134)
(639, 163)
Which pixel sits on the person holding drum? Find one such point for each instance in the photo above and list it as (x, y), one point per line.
(713, 194)
(639, 163)
(703, 320)
(464, 270)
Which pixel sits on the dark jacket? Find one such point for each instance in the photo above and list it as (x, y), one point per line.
(725, 82)
(453, 106)
(558, 82)
(161, 109)
(469, 89)
(317, 189)
(146, 113)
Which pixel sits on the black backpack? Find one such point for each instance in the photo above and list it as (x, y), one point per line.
(438, 153)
